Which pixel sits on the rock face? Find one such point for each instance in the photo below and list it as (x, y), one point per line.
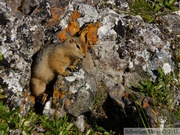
(128, 51)
(19, 38)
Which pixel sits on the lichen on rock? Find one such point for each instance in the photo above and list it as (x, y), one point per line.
(19, 39)
(122, 51)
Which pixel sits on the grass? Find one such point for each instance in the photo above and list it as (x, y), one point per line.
(31, 123)
(160, 89)
(1, 56)
(162, 94)
(149, 9)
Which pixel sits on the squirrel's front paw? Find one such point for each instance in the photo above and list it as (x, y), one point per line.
(65, 73)
(72, 67)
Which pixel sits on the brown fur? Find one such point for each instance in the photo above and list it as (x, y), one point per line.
(55, 59)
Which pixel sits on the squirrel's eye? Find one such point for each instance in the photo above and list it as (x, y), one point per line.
(77, 46)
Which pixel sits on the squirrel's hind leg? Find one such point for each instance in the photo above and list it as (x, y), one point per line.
(38, 86)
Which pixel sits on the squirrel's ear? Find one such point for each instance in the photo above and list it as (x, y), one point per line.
(71, 40)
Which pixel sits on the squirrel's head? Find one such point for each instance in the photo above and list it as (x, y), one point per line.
(77, 46)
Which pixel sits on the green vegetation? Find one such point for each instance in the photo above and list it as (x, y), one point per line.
(2, 96)
(160, 90)
(33, 123)
(1, 57)
(162, 94)
(150, 9)
(8, 119)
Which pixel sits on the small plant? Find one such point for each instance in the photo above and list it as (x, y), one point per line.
(102, 130)
(1, 56)
(150, 9)
(161, 92)
(2, 96)
(160, 89)
(8, 119)
(32, 123)
(58, 126)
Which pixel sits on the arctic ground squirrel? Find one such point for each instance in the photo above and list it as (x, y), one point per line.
(55, 59)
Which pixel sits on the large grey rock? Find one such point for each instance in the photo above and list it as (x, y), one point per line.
(20, 38)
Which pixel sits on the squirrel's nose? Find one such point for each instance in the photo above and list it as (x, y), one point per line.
(84, 56)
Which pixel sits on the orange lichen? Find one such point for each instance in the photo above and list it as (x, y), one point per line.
(60, 86)
(68, 92)
(55, 12)
(153, 112)
(72, 29)
(32, 99)
(28, 97)
(67, 103)
(26, 94)
(75, 16)
(89, 34)
(17, 10)
(146, 105)
(62, 95)
(56, 96)
(119, 93)
(56, 113)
